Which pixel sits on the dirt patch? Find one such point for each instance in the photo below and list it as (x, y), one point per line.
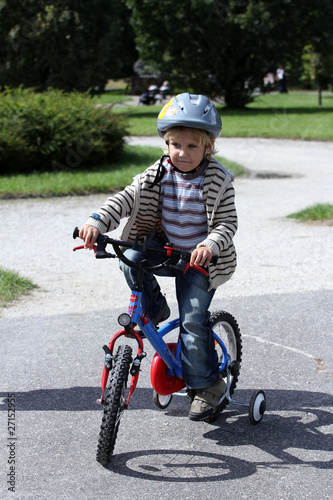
(325, 222)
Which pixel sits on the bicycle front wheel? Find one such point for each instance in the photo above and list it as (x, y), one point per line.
(114, 404)
(226, 328)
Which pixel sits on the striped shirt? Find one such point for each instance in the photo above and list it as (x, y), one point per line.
(181, 207)
(140, 202)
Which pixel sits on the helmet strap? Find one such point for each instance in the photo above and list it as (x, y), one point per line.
(190, 171)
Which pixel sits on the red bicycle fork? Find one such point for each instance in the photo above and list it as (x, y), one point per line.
(135, 369)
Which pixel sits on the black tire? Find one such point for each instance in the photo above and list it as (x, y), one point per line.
(114, 404)
(226, 327)
(161, 402)
(257, 407)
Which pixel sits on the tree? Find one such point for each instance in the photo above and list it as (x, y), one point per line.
(77, 44)
(317, 69)
(317, 57)
(222, 47)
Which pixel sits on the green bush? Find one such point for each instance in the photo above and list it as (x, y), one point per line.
(56, 131)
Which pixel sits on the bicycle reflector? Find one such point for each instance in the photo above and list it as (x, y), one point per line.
(124, 319)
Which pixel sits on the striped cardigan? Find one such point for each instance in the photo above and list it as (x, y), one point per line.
(139, 202)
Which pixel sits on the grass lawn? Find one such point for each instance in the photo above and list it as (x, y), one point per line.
(319, 212)
(273, 115)
(104, 178)
(111, 98)
(12, 286)
(292, 116)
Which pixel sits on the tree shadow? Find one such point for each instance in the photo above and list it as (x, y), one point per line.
(70, 399)
(253, 110)
(281, 110)
(151, 112)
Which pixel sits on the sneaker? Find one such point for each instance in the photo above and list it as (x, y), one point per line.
(206, 401)
(162, 315)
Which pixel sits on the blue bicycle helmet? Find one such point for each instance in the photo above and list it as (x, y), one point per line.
(189, 110)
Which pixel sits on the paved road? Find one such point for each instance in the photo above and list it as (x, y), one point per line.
(53, 365)
(51, 355)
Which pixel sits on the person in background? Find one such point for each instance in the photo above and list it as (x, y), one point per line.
(281, 80)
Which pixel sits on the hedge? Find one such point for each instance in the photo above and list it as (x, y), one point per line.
(56, 131)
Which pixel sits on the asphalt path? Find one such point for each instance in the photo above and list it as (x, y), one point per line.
(52, 358)
(53, 366)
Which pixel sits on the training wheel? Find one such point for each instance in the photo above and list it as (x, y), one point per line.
(257, 407)
(161, 402)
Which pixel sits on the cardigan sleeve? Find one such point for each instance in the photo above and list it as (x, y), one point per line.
(125, 203)
(108, 217)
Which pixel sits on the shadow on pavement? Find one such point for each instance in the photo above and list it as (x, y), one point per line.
(295, 430)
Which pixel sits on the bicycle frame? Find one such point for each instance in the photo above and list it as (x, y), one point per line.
(168, 366)
(155, 338)
(137, 316)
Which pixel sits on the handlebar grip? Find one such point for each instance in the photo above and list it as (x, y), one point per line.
(101, 253)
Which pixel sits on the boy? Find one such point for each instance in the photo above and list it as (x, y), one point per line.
(186, 198)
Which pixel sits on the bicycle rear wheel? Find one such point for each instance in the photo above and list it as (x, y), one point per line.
(114, 404)
(226, 328)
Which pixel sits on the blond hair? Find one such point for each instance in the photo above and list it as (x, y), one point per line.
(199, 135)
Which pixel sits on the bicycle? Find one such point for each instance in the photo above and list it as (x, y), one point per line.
(166, 367)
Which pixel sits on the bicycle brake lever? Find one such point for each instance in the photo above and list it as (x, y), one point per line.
(197, 268)
(203, 270)
(82, 246)
(183, 265)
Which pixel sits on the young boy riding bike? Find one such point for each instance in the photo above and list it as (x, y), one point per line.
(186, 198)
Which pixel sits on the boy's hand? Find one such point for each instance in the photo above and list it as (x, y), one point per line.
(89, 235)
(201, 256)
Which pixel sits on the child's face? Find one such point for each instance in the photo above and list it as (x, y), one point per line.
(185, 152)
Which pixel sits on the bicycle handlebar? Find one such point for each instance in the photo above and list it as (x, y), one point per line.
(177, 260)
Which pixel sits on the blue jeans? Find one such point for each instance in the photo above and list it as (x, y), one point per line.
(199, 357)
